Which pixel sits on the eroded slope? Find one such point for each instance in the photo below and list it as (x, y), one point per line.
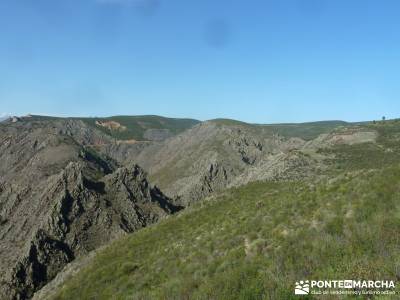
(59, 200)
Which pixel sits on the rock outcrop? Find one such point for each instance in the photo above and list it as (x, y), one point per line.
(62, 196)
(211, 157)
(59, 201)
(215, 155)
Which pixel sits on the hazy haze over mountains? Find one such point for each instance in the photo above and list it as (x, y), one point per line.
(3, 117)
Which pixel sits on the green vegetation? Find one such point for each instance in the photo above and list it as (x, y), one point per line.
(136, 126)
(362, 156)
(389, 133)
(385, 152)
(254, 242)
(306, 131)
(229, 122)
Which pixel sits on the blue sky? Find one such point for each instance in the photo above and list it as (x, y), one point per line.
(261, 61)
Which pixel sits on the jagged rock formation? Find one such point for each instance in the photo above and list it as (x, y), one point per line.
(157, 135)
(216, 155)
(59, 200)
(292, 165)
(209, 158)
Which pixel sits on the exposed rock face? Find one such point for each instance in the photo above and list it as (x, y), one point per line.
(81, 132)
(51, 288)
(58, 201)
(60, 198)
(207, 158)
(157, 134)
(111, 125)
(213, 156)
(293, 165)
(124, 152)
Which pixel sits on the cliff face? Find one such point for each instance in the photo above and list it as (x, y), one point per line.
(62, 196)
(215, 155)
(211, 157)
(59, 201)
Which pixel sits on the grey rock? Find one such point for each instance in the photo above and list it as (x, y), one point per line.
(157, 134)
(209, 158)
(60, 200)
(213, 156)
(67, 189)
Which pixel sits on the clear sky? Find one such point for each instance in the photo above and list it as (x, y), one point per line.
(259, 61)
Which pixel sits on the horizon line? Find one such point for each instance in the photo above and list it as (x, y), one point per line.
(3, 115)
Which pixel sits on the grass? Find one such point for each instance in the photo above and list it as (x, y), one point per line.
(361, 156)
(385, 152)
(254, 242)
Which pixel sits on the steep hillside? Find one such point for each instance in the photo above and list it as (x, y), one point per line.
(305, 131)
(142, 128)
(255, 242)
(208, 157)
(136, 128)
(68, 187)
(59, 200)
(218, 154)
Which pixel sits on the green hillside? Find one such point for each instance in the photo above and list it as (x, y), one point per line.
(134, 127)
(306, 131)
(256, 241)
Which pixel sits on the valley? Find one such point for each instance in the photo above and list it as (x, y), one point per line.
(229, 204)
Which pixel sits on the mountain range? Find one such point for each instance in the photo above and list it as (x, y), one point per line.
(76, 193)
(3, 118)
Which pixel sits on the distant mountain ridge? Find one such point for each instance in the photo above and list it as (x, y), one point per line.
(3, 118)
(70, 185)
(137, 128)
(217, 154)
(255, 241)
(159, 128)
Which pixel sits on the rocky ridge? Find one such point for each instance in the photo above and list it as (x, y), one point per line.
(67, 188)
(59, 201)
(213, 156)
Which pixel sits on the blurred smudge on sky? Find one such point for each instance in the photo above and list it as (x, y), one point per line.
(217, 33)
(293, 60)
